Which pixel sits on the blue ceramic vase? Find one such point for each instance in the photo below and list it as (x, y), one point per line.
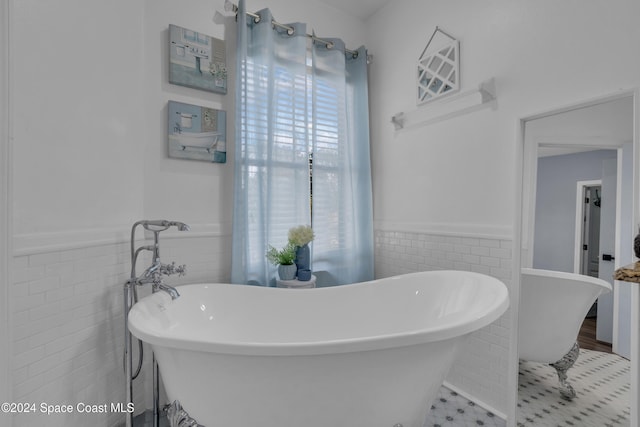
(303, 259)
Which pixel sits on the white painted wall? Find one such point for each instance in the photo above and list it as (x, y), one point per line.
(554, 239)
(77, 124)
(5, 337)
(90, 89)
(197, 193)
(458, 176)
(89, 156)
(78, 121)
(460, 172)
(628, 230)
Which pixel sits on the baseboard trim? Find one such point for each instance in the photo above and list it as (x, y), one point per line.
(475, 400)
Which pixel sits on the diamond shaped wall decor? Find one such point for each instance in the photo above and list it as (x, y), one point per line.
(438, 67)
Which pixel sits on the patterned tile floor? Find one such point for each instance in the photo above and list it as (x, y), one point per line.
(146, 420)
(449, 409)
(601, 382)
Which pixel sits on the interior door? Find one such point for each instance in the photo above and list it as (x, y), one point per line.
(591, 231)
(604, 326)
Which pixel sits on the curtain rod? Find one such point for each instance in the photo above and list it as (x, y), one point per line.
(231, 7)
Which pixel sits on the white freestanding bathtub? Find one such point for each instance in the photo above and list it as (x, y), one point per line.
(552, 309)
(363, 355)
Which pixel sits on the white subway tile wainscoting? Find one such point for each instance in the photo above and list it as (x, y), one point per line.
(68, 331)
(481, 370)
(68, 325)
(67, 318)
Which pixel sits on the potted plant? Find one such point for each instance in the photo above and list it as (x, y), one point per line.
(285, 260)
(300, 237)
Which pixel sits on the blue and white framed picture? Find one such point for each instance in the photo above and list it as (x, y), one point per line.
(197, 133)
(197, 60)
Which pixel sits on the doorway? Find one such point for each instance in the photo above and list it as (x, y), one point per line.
(588, 204)
(605, 124)
(588, 247)
(575, 220)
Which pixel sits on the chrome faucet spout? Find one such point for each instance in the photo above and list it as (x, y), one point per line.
(173, 292)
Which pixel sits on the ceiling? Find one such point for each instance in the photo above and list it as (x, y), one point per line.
(362, 9)
(605, 125)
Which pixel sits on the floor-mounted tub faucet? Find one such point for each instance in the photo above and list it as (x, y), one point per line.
(154, 275)
(157, 269)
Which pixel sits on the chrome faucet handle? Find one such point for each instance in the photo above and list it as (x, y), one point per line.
(169, 269)
(181, 270)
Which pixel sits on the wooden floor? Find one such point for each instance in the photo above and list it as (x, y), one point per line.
(587, 337)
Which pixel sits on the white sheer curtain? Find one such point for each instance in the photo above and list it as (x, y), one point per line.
(294, 101)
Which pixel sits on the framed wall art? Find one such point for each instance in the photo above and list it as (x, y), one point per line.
(197, 132)
(197, 60)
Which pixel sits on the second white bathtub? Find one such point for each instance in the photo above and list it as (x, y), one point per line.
(552, 309)
(553, 305)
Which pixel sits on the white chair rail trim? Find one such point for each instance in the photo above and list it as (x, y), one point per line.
(34, 243)
(483, 231)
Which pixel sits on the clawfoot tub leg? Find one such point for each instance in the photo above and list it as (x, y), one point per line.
(562, 366)
(178, 417)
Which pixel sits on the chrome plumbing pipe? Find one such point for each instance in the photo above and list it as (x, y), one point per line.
(152, 275)
(128, 357)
